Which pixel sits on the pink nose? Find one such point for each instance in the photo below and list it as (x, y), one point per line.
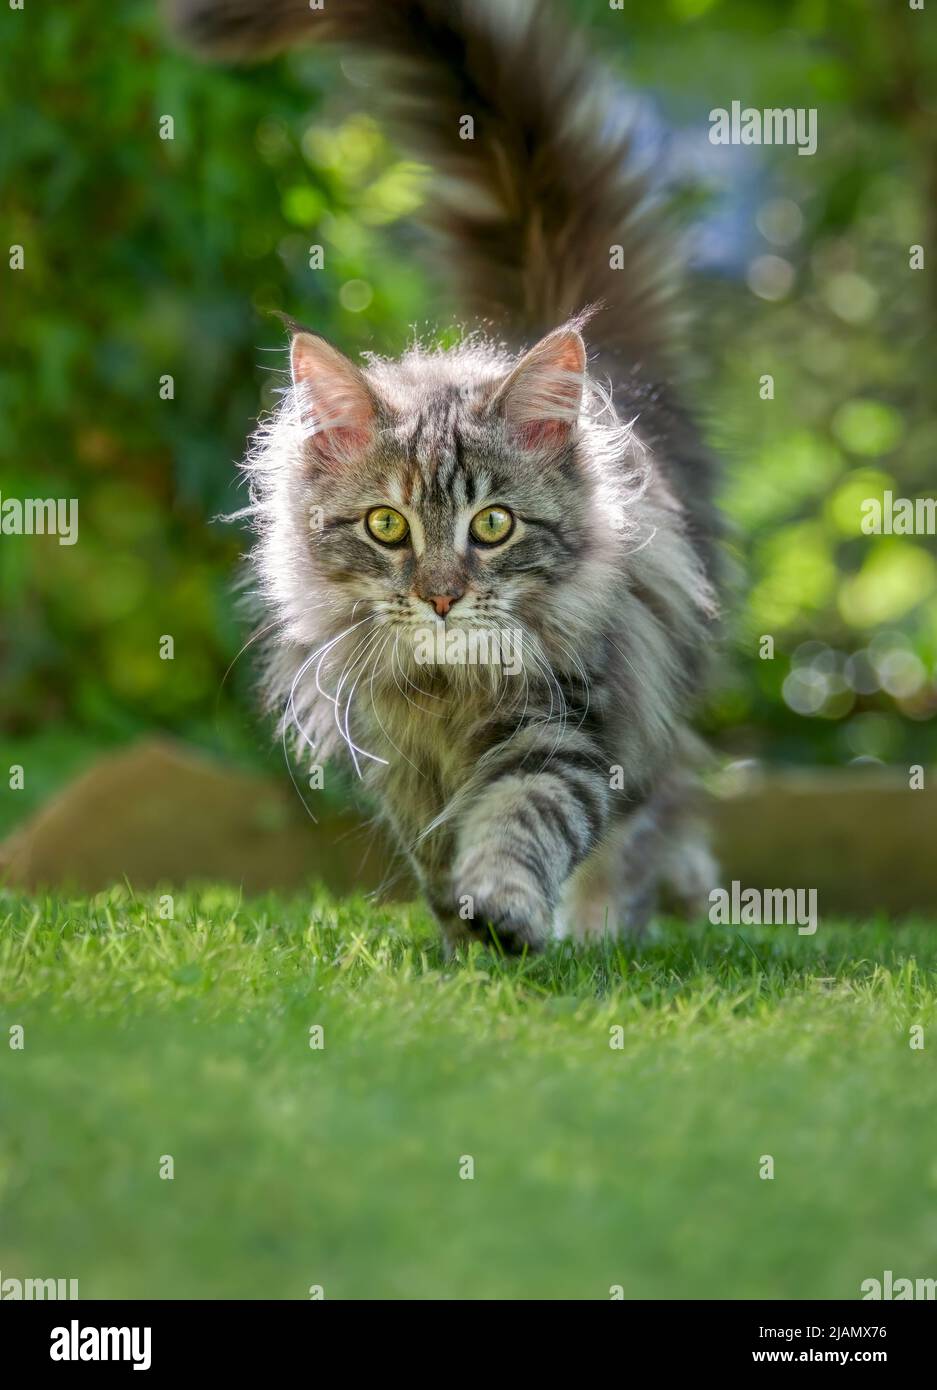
(442, 602)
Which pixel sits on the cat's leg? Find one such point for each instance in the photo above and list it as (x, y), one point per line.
(639, 870)
(690, 872)
(666, 863)
(431, 861)
(534, 812)
(590, 904)
(615, 892)
(657, 859)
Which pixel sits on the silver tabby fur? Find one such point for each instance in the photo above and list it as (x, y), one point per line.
(554, 799)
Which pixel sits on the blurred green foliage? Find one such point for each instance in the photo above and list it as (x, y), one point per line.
(147, 257)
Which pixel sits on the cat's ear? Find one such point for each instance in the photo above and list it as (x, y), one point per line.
(541, 399)
(334, 401)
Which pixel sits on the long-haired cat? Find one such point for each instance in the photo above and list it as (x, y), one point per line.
(489, 571)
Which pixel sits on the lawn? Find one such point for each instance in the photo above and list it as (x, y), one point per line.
(343, 1166)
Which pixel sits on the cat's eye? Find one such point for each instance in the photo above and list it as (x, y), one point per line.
(492, 525)
(386, 525)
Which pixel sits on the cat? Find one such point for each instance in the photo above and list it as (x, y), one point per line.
(514, 487)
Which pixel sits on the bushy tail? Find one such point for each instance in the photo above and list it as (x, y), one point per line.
(545, 214)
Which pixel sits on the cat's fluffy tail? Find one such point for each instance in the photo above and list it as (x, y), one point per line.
(539, 197)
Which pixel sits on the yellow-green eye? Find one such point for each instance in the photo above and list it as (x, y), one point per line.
(386, 525)
(491, 525)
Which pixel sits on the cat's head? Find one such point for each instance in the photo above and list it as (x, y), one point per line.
(460, 492)
(443, 487)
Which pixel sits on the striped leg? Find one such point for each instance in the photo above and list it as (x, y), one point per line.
(536, 811)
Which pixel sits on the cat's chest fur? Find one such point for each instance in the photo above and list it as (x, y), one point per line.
(435, 735)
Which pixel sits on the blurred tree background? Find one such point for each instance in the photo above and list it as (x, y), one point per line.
(148, 257)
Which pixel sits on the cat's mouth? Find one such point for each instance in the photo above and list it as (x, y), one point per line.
(466, 642)
(450, 620)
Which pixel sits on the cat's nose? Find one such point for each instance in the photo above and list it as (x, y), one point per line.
(443, 602)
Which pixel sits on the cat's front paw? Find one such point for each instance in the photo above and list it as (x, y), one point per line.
(502, 902)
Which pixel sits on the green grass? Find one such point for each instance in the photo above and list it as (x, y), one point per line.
(340, 1167)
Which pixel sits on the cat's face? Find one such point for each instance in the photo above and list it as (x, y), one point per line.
(437, 495)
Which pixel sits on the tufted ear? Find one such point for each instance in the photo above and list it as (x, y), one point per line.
(334, 401)
(541, 399)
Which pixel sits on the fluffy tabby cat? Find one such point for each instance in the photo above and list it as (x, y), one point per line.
(516, 484)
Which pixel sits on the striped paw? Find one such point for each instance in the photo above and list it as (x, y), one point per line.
(508, 906)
